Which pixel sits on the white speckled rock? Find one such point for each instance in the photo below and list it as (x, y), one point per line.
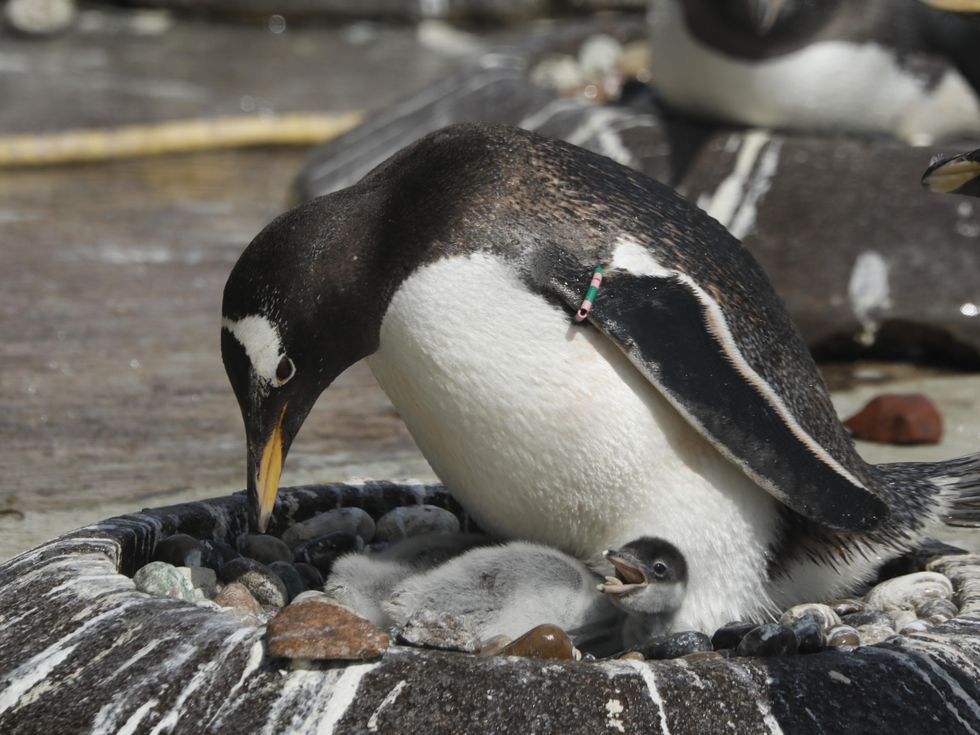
(916, 626)
(909, 591)
(871, 634)
(165, 580)
(821, 613)
(414, 520)
(349, 520)
(903, 618)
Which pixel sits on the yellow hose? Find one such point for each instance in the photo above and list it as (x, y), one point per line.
(178, 136)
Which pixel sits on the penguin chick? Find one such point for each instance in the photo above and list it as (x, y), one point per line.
(363, 581)
(506, 590)
(648, 585)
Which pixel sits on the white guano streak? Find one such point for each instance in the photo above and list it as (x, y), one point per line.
(646, 673)
(725, 203)
(389, 700)
(869, 293)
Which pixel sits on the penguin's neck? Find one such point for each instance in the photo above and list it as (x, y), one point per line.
(545, 431)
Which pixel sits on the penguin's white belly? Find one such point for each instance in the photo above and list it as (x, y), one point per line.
(826, 85)
(545, 431)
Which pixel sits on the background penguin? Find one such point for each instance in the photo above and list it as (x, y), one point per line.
(507, 590)
(954, 174)
(648, 585)
(685, 407)
(895, 67)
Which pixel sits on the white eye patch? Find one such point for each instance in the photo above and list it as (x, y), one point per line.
(262, 344)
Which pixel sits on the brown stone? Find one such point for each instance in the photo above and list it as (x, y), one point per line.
(320, 630)
(845, 606)
(543, 641)
(898, 419)
(238, 601)
(493, 646)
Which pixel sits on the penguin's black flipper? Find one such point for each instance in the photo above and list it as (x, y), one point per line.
(677, 336)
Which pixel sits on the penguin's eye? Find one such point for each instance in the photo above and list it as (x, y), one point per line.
(660, 569)
(285, 370)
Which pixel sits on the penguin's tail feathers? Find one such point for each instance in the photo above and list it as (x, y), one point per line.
(959, 483)
(948, 491)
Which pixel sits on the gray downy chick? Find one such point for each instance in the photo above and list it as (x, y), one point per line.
(506, 590)
(648, 584)
(362, 582)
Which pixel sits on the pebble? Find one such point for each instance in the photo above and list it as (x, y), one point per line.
(414, 520)
(599, 55)
(701, 656)
(676, 645)
(543, 641)
(771, 639)
(180, 550)
(263, 548)
(238, 601)
(869, 617)
(845, 606)
(434, 629)
(916, 626)
(264, 584)
(909, 591)
(823, 614)
(809, 634)
(217, 553)
(731, 634)
(160, 578)
(898, 419)
(871, 633)
(901, 618)
(632, 656)
(290, 577)
(939, 607)
(201, 578)
(349, 520)
(41, 17)
(318, 629)
(323, 552)
(843, 635)
(310, 574)
(493, 646)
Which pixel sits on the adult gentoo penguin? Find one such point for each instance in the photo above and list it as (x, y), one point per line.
(894, 67)
(954, 174)
(686, 406)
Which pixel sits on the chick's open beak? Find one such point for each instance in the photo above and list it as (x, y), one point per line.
(628, 576)
(950, 175)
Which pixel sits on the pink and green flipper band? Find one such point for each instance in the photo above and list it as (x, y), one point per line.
(586, 306)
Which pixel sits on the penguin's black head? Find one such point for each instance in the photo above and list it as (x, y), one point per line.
(757, 28)
(299, 308)
(650, 576)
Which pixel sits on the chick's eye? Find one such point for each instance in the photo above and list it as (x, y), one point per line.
(660, 569)
(284, 370)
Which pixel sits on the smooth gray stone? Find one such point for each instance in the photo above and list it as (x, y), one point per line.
(263, 548)
(418, 520)
(771, 639)
(322, 552)
(202, 578)
(180, 550)
(351, 520)
(809, 634)
(675, 645)
(264, 584)
(291, 577)
(310, 574)
(869, 617)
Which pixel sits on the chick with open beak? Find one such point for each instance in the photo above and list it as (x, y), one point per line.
(648, 584)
